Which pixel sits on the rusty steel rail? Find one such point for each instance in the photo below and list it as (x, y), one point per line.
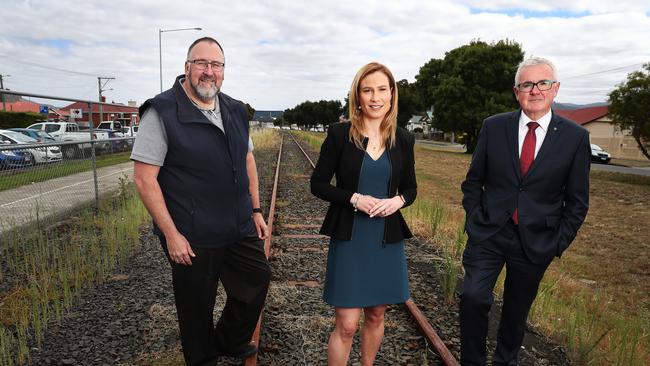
(423, 323)
(428, 331)
(252, 360)
(313, 166)
(421, 320)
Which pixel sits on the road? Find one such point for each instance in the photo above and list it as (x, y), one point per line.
(621, 169)
(445, 146)
(44, 199)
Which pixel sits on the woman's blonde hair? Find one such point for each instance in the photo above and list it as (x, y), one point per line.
(388, 126)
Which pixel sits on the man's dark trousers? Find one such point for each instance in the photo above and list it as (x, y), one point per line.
(482, 263)
(243, 270)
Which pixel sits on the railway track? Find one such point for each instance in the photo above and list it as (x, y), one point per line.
(296, 322)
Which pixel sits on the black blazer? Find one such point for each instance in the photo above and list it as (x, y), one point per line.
(341, 158)
(553, 198)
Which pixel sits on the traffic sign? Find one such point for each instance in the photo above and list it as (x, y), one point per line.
(76, 113)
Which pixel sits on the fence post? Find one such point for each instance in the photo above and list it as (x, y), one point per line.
(93, 158)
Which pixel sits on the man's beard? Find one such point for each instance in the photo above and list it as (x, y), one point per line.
(205, 94)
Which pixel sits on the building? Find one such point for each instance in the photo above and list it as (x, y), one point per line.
(267, 116)
(419, 123)
(126, 114)
(602, 132)
(14, 103)
(265, 119)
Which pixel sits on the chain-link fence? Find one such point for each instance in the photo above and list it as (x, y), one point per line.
(43, 181)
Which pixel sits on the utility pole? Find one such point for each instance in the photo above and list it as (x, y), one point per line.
(2, 86)
(101, 89)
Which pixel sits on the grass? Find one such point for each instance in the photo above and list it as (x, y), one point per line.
(313, 139)
(60, 169)
(631, 163)
(265, 138)
(52, 265)
(596, 298)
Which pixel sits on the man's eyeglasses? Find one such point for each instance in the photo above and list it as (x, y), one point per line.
(203, 64)
(542, 85)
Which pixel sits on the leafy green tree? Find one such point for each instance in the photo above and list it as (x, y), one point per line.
(629, 107)
(308, 114)
(250, 111)
(346, 106)
(428, 79)
(471, 83)
(408, 102)
(18, 119)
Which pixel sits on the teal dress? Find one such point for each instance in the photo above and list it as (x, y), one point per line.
(363, 271)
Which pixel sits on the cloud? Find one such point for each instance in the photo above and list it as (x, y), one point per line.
(281, 53)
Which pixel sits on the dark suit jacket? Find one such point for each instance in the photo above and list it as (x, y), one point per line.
(341, 158)
(553, 198)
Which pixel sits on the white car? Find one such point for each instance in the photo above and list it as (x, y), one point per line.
(130, 131)
(39, 155)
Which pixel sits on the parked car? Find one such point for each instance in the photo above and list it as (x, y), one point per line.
(40, 136)
(117, 143)
(10, 159)
(69, 131)
(113, 126)
(130, 131)
(599, 155)
(37, 155)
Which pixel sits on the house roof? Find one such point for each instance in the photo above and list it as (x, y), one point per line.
(415, 119)
(23, 106)
(105, 109)
(584, 115)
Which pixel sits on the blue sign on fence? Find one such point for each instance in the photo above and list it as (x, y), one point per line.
(44, 109)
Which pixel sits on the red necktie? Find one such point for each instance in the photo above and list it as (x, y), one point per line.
(526, 158)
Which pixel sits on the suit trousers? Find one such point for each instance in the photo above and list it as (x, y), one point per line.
(243, 270)
(483, 262)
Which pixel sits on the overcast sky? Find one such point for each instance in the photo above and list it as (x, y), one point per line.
(281, 53)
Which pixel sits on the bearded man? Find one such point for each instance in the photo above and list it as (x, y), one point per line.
(195, 172)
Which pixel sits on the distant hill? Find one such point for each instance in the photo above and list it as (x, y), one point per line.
(571, 106)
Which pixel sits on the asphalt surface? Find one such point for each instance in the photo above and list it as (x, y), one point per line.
(621, 169)
(44, 199)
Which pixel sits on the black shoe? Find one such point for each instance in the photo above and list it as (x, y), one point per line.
(241, 352)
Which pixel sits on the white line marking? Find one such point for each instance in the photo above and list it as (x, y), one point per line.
(60, 188)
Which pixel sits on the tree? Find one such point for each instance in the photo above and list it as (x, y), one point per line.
(250, 111)
(629, 107)
(346, 106)
(408, 102)
(308, 114)
(471, 83)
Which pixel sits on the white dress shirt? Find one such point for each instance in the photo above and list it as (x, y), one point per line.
(540, 132)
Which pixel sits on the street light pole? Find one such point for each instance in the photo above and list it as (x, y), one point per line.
(101, 100)
(160, 32)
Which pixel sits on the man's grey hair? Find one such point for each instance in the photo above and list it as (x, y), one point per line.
(533, 61)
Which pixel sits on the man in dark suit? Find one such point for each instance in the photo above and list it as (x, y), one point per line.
(525, 196)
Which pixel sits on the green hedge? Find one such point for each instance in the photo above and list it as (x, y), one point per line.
(18, 119)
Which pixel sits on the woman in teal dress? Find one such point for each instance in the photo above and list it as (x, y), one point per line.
(372, 160)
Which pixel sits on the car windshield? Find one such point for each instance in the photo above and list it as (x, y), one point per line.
(51, 128)
(44, 135)
(19, 137)
(596, 147)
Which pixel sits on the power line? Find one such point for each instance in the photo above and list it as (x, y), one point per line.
(605, 71)
(50, 67)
